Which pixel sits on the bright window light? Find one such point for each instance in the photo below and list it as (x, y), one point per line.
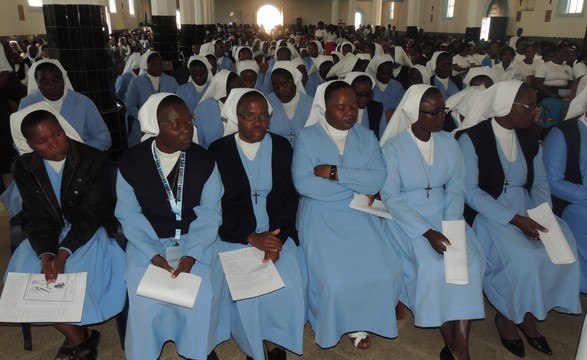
(574, 6)
(450, 8)
(358, 19)
(36, 3)
(112, 6)
(269, 16)
(391, 10)
(131, 7)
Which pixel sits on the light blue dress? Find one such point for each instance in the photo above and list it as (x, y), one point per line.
(139, 90)
(390, 98)
(382, 122)
(121, 85)
(446, 93)
(188, 93)
(225, 64)
(81, 113)
(279, 316)
(280, 124)
(208, 122)
(519, 276)
(151, 323)
(313, 81)
(432, 300)
(100, 257)
(355, 277)
(575, 214)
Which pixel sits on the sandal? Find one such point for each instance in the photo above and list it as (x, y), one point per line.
(360, 340)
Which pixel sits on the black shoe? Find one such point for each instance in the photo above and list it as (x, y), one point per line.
(276, 354)
(212, 356)
(516, 347)
(445, 354)
(538, 343)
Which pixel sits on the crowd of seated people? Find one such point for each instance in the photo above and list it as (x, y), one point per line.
(266, 145)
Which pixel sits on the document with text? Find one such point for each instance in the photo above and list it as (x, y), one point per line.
(246, 274)
(157, 284)
(554, 240)
(28, 298)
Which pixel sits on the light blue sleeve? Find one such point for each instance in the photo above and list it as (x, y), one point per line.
(203, 231)
(98, 133)
(119, 87)
(455, 188)
(132, 99)
(555, 161)
(368, 179)
(308, 184)
(135, 226)
(476, 198)
(413, 224)
(540, 192)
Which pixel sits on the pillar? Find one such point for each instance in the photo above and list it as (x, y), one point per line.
(78, 37)
(352, 11)
(377, 9)
(193, 28)
(414, 13)
(335, 17)
(164, 25)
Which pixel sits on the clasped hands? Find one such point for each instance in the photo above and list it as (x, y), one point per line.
(268, 242)
(52, 265)
(185, 265)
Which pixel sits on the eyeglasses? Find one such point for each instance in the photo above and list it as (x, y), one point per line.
(251, 117)
(530, 109)
(442, 112)
(177, 125)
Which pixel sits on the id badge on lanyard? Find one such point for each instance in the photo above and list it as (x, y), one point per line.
(173, 253)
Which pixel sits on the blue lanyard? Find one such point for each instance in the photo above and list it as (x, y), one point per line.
(174, 203)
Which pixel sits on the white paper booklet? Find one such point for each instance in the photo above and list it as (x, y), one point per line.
(157, 284)
(554, 240)
(27, 298)
(456, 269)
(361, 202)
(246, 274)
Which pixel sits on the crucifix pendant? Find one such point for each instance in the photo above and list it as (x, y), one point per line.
(256, 196)
(428, 188)
(505, 186)
(291, 137)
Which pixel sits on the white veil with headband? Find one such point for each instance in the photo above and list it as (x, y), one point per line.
(148, 117)
(33, 86)
(229, 111)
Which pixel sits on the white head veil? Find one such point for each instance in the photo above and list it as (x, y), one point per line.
(321, 59)
(431, 64)
(376, 62)
(239, 49)
(406, 113)
(148, 117)
(350, 77)
(460, 103)
(292, 49)
(143, 65)
(477, 71)
(229, 111)
(132, 63)
(33, 86)
(424, 72)
(207, 49)
(320, 48)
(207, 64)
(247, 65)
(495, 101)
(378, 50)
(217, 87)
(578, 106)
(16, 120)
(318, 108)
(344, 66)
(401, 57)
(295, 73)
(347, 43)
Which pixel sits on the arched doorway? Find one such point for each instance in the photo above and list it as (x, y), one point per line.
(269, 16)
